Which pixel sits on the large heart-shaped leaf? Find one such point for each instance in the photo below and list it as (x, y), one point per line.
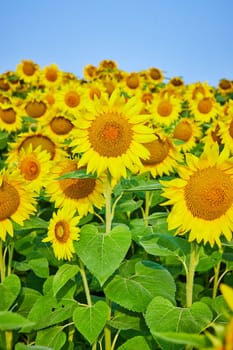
(90, 320)
(134, 292)
(102, 253)
(163, 318)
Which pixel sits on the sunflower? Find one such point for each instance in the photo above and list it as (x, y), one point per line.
(35, 138)
(226, 132)
(81, 194)
(90, 72)
(204, 108)
(225, 87)
(34, 165)
(199, 88)
(10, 117)
(110, 135)
(202, 197)
(62, 232)
(131, 83)
(51, 76)
(16, 199)
(163, 156)
(58, 124)
(28, 71)
(212, 134)
(165, 109)
(189, 132)
(35, 105)
(70, 97)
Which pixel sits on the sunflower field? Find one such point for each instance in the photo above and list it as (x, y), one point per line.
(116, 210)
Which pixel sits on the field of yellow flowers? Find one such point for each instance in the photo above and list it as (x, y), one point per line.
(116, 210)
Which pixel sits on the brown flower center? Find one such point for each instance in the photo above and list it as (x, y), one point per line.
(28, 68)
(76, 188)
(61, 125)
(110, 134)
(8, 115)
(132, 81)
(164, 108)
(35, 109)
(9, 200)
(183, 131)
(205, 105)
(155, 74)
(51, 74)
(39, 140)
(72, 99)
(62, 231)
(159, 150)
(209, 193)
(30, 168)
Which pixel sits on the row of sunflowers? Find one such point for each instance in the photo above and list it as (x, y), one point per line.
(116, 207)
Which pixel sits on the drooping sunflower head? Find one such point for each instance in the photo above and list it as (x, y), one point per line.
(202, 197)
(164, 156)
(110, 135)
(81, 194)
(63, 230)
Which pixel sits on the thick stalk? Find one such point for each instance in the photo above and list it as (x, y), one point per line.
(2, 263)
(85, 283)
(194, 258)
(108, 204)
(107, 330)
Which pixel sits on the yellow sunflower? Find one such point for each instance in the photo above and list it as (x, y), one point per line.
(212, 134)
(202, 197)
(152, 76)
(34, 165)
(35, 138)
(164, 156)
(225, 86)
(226, 132)
(90, 72)
(58, 124)
(81, 194)
(189, 132)
(131, 83)
(28, 71)
(35, 105)
(204, 108)
(70, 97)
(165, 109)
(10, 116)
(51, 76)
(16, 199)
(62, 232)
(110, 135)
(198, 88)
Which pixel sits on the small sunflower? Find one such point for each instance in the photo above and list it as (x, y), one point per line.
(131, 83)
(81, 194)
(226, 132)
(90, 72)
(225, 87)
(164, 156)
(28, 71)
(202, 197)
(189, 132)
(165, 109)
(110, 135)
(204, 108)
(62, 232)
(34, 165)
(70, 97)
(16, 199)
(51, 76)
(192, 91)
(35, 105)
(212, 134)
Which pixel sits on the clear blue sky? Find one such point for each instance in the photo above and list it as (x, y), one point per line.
(188, 38)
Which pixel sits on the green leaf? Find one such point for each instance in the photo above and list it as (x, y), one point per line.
(78, 174)
(136, 291)
(129, 206)
(162, 317)
(147, 186)
(22, 346)
(102, 253)
(11, 320)
(199, 341)
(162, 244)
(135, 343)
(40, 267)
(90, 320)
(3, 139)
(125, 320)
(53, 337)
(208, 261)
(47, 311)
(34, 223)
(9, 290)
(27, 299)
(63, 275)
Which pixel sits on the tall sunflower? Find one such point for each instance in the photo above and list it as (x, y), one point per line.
(110, 135)
(189, 132)
(202, 197)
(62, 231)
(16, 201)
(81, 194)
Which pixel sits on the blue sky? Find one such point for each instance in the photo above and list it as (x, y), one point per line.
(191, 39)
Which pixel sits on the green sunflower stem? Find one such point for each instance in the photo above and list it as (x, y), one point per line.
(2, 262)
(108, 204)
(85, 283)
(194, 259)
(107, 330)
